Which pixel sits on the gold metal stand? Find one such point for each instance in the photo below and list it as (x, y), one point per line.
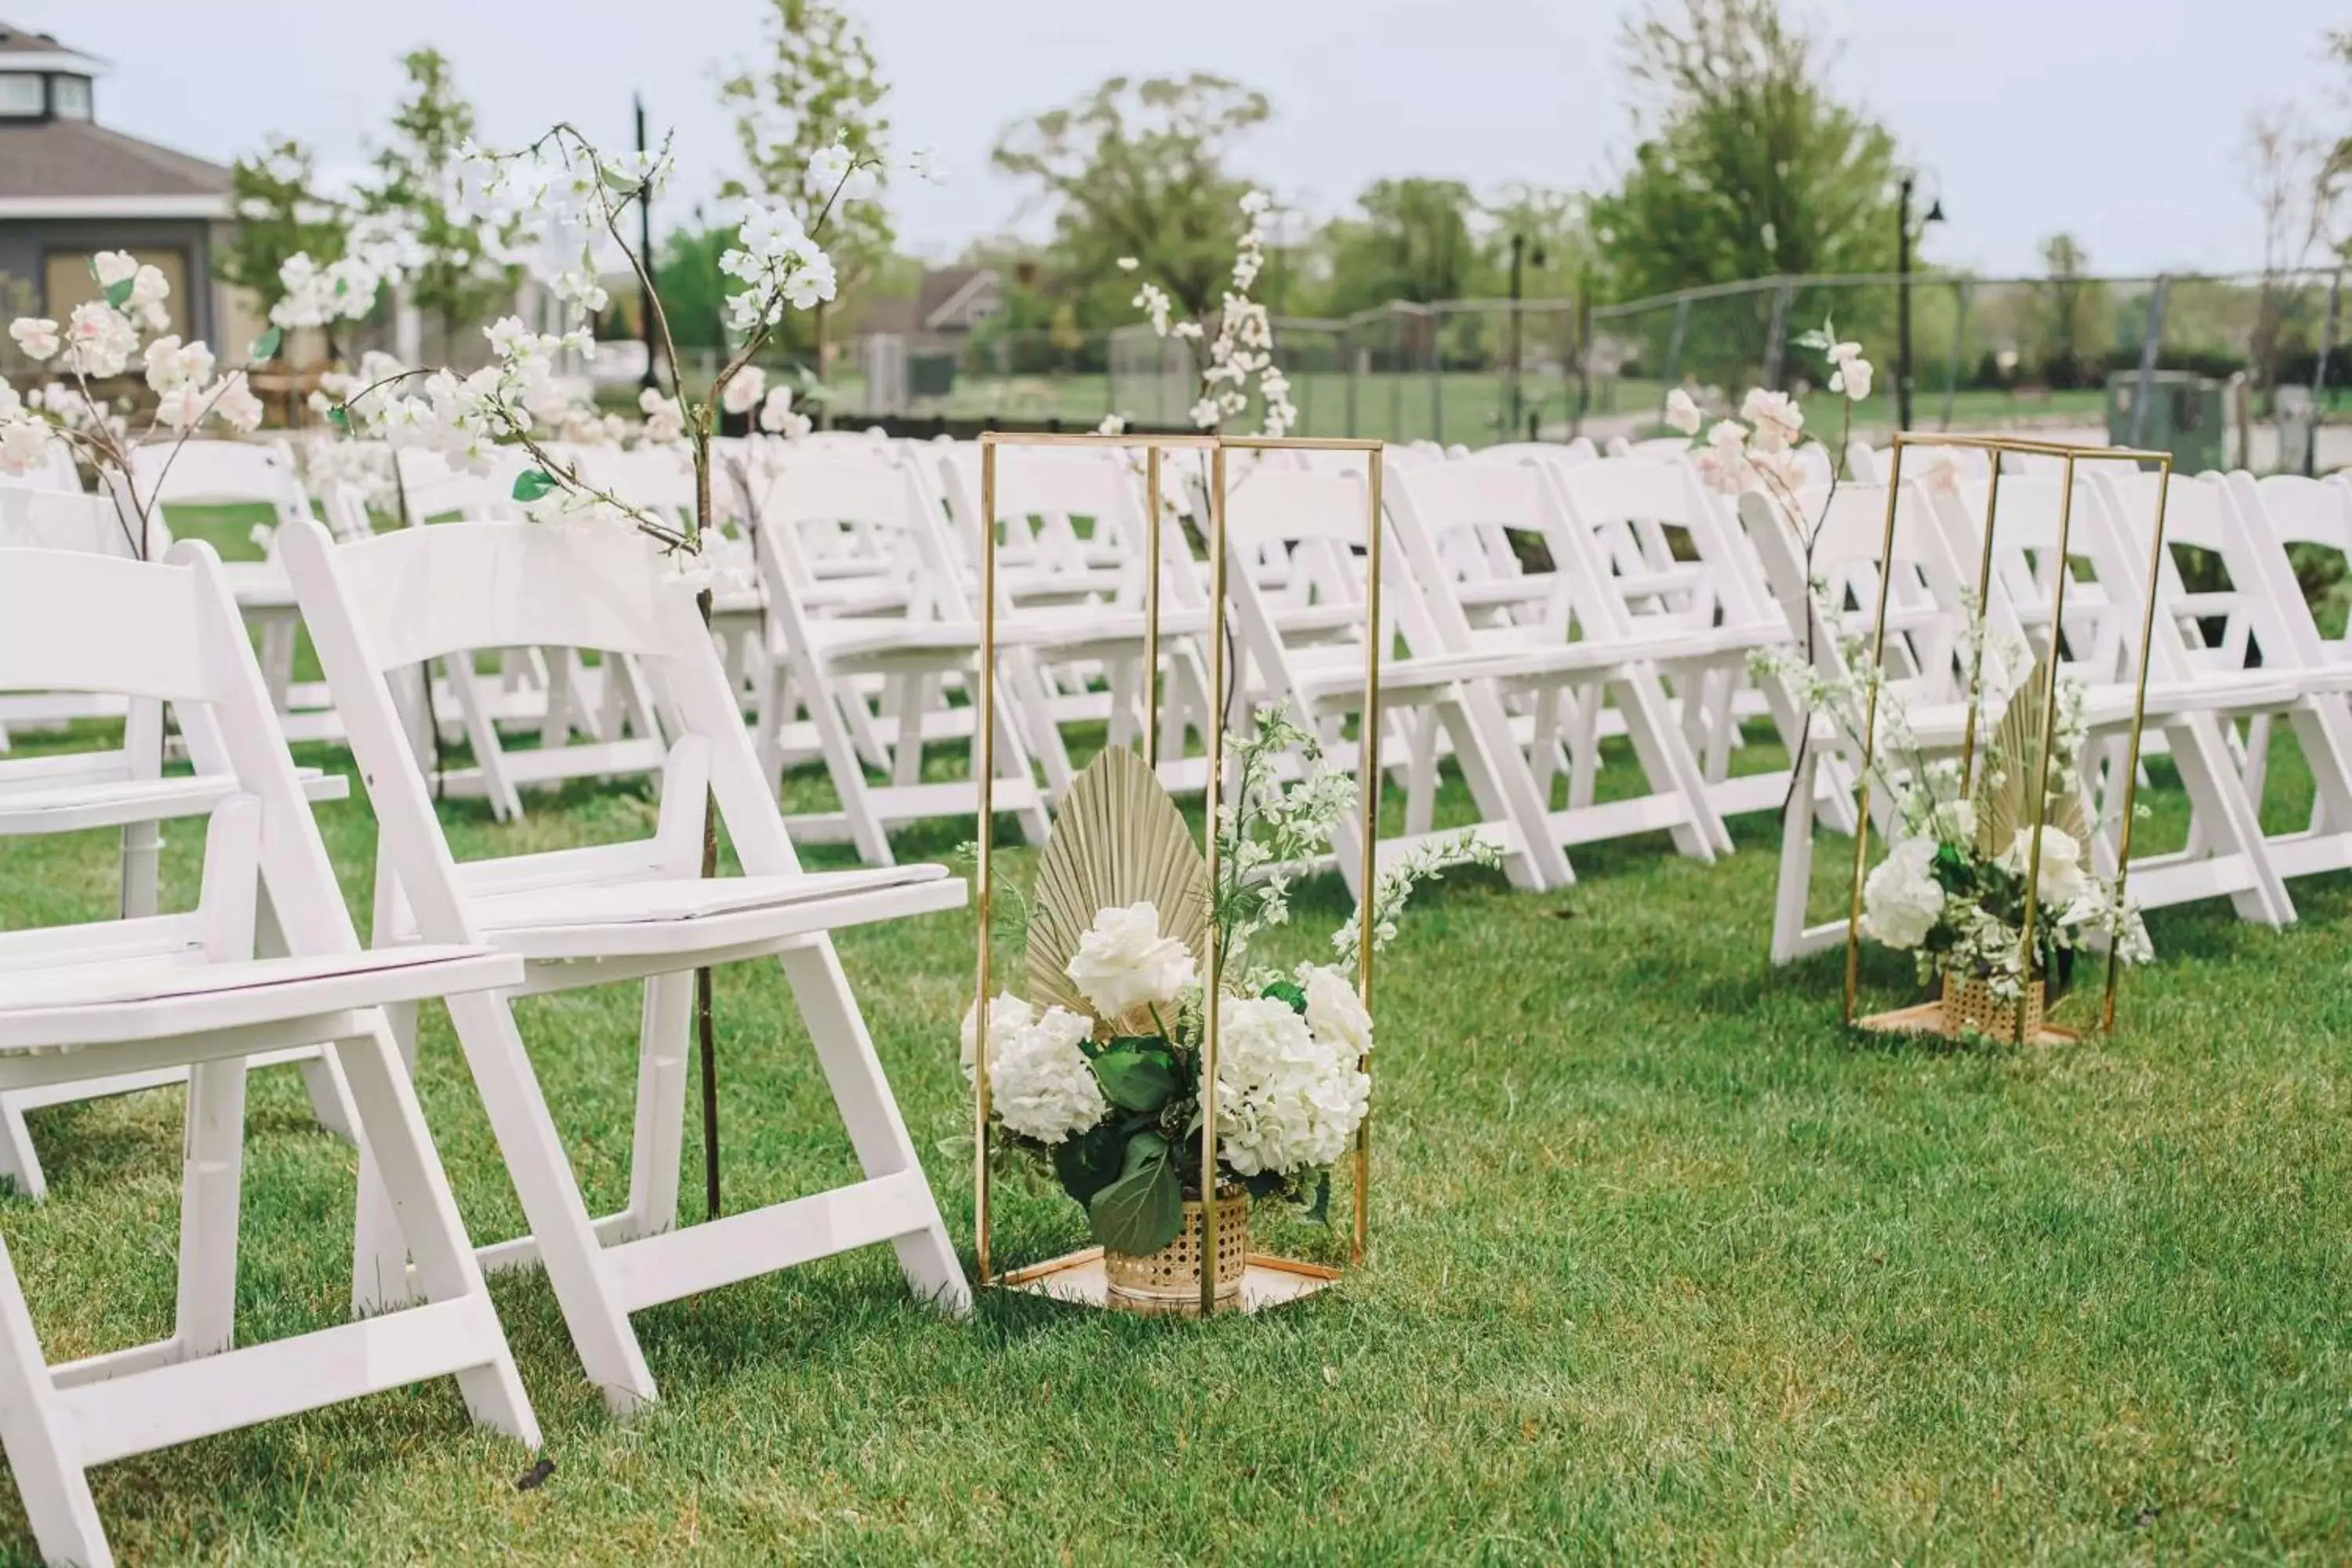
(1079, 1278)
(1994, 446)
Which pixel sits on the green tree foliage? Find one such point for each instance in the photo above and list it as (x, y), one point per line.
(278, 215)
(2069, 317)
(1137, 168)
(1558, 255)
(1409, 239)
(1747, 166)
(453, 280)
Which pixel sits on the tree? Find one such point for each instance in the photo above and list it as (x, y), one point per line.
(1746, 167)
(2069, 311)
(819, 90)
(453, 273)
(2285, 166)
(1411, 241)
(279, 216)
(1137, 169)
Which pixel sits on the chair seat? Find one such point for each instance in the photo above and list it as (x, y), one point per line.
(689, 914)
(96, 1004)
(1061, 627)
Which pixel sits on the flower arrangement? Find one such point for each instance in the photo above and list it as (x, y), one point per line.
(1096, 1071)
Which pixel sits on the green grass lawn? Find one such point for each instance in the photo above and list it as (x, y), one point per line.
(1666, 1267)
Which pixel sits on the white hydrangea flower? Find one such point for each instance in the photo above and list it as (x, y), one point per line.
(1041, 1084)
(1286, 1101)
(1124, 963)
(1334, 1010)
(1902, 901)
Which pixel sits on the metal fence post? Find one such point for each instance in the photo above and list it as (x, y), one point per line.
(1348, 368)
(1964, 301)
(1436, 376)
(1777, 335)
(1675, 352)
(2152, 342)
(2319, 371)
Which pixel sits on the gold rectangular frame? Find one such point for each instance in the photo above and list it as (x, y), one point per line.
(1995, 446)
(1290, 1280)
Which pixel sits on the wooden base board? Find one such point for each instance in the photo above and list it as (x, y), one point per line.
(1078, 1281)
(1927, 1018)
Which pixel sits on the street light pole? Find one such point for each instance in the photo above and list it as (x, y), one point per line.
(1902, 307)
(645, 253)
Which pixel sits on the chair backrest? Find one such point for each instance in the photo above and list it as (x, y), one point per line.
(2216, 622)
(423, 592)
(168, 632)
(65, 520)
(1432, 505)
(432, 487)
(202, 472)
(2102, 631)
(56, 471)
(835, 504)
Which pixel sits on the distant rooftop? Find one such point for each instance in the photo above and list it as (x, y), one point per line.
(57, 161)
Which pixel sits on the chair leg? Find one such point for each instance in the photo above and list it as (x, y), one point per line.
(211, 1182)
(49, 1479)
(662, 1043)
(379, 1250)
(876, 1132)
(19, 1163)
(417, 1192)
(549, 1193)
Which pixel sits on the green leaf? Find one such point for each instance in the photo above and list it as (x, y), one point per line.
(532, 483)
(1090, 1161)
(340, 417)
(118, 294)
(1290, 992)
(618, 183)
(1320, 1209)
(265, 347)
(1142, 1211)
(1137, 1074)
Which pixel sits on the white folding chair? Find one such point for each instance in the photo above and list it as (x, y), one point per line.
(610, 914)
(1319, 521)
(1578, 656)
(186, 992)
(120, 787)
(871, 685)
(2266, 517)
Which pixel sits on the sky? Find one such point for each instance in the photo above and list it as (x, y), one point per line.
(2118, 121)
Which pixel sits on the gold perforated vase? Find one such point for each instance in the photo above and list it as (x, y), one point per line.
(1167, 1283)
(1970, 1007)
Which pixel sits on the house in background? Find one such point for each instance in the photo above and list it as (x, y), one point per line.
(69, 186)
(908, 347)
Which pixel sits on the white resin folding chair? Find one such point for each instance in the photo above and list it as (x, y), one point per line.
(186, 991)
(869, 689)
(248, 474)
(2189, 703)
(638, 911)
(1581, 654)
(122, 787)
(2268, 516)
(1319, 520)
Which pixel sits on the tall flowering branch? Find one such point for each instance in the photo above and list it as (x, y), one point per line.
(1243, 347)
(101, 341)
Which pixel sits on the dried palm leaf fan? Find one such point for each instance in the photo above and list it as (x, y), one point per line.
(1117, 840)
(2006, 780)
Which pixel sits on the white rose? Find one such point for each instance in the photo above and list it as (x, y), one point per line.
(1902, 899)
(1853, 379)
(1334, 1011)
(1043, 1086)
(2065, 878)
(1124, 963)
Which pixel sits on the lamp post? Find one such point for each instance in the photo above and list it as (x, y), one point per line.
(645, 249)
(1903, 238)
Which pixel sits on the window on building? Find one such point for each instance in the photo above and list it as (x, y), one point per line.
(69, 97)
(67, 282)
(22, 96)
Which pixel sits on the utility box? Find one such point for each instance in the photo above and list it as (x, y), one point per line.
(2298, 426)
(2184, 417)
